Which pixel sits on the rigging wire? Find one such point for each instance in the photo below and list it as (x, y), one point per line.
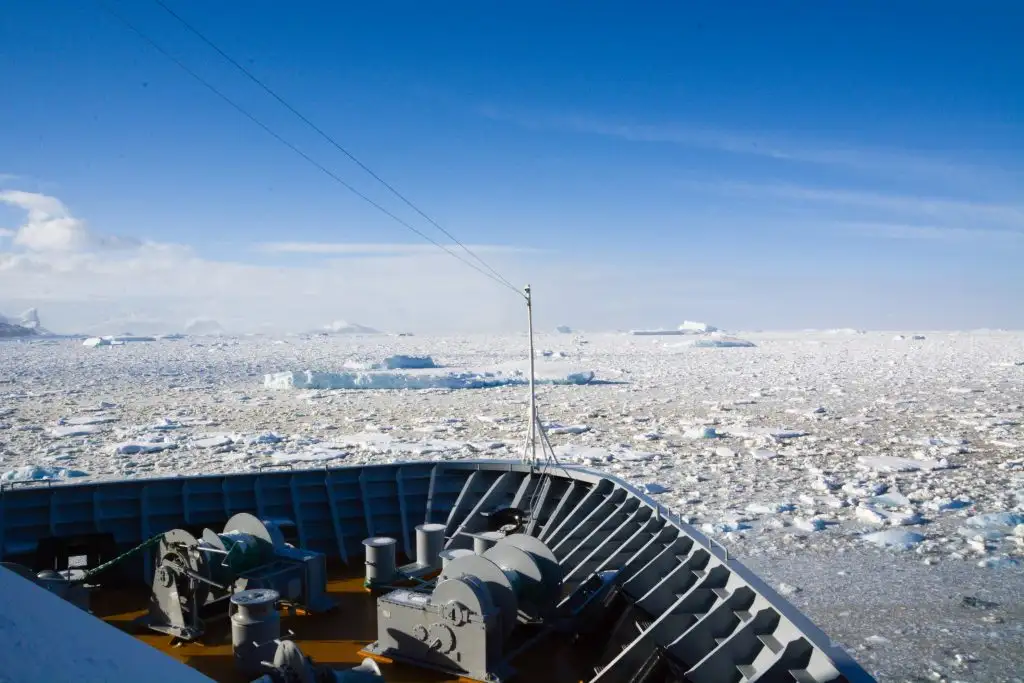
(240, 109)
(248, 74)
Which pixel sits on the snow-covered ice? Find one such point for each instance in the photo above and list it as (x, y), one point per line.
(808, 450)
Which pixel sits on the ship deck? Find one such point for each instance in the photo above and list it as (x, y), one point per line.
(333, 638)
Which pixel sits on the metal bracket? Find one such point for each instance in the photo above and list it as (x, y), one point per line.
(714, 541)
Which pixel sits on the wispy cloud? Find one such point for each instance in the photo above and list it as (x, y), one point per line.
(363, 249)
(769, 144)
(957, 212)
(4, 232)
(898, 231)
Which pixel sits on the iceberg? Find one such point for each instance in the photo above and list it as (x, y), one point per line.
(430, 378)
(343, 327)
(696, 327)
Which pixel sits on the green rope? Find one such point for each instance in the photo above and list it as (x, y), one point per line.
(123, 556)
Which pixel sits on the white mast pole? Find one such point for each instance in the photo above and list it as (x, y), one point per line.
(532, 433)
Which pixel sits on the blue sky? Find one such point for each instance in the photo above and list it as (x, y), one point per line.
(760, 165)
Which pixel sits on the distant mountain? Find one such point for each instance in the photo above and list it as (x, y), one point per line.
(203, 327)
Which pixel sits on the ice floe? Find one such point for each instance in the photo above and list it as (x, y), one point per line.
(894, 538)
(889, 463)
(39, 473)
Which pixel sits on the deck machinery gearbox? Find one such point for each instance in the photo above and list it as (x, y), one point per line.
(194, 578)
(463, 625)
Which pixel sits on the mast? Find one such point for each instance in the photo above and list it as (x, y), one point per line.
(531, 434)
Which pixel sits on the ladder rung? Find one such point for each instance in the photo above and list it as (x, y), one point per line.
(746, 670)
(771, 642)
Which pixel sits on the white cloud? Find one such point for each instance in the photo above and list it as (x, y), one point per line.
(51, 227)
(4, 232)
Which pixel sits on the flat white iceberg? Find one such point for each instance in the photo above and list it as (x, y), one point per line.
(116, 340)
(432, 378)
(697, 327)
